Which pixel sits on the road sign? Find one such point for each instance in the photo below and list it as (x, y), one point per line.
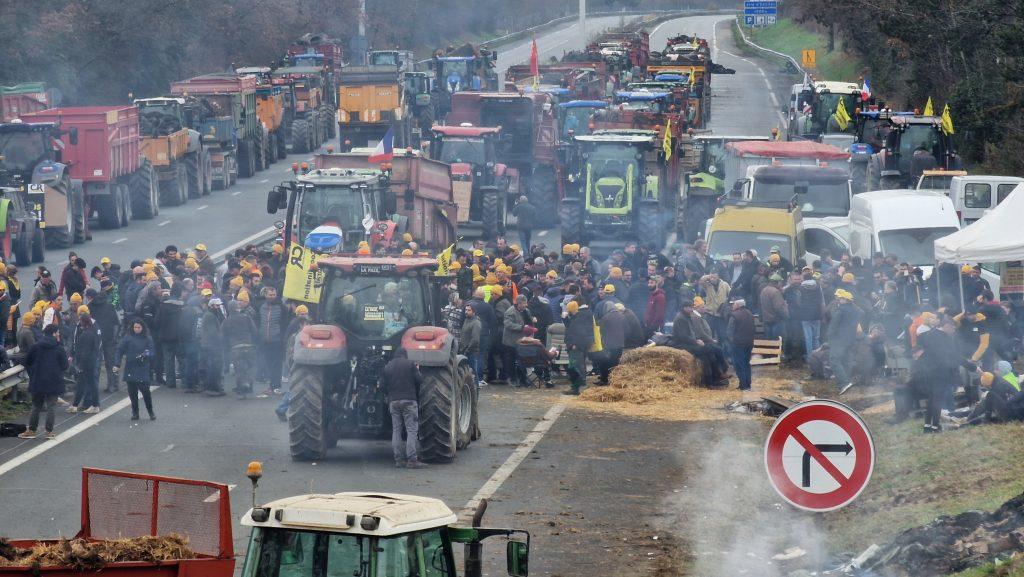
(761, 7)
(819, 455)
(810, 58)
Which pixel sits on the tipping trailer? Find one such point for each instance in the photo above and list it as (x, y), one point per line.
(583, 80)
(308, 117)
(175, 151)
(228, 123)
(370, 102)
(119, 505)
(105, 156)
(22, 99)
(270, 111)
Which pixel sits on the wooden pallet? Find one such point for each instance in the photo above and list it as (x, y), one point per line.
(770, 352)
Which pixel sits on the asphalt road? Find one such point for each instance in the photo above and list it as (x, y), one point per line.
(553, 43)
(214, 438)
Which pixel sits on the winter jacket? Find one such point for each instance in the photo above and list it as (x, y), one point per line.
(44, 292)
(812, 301)
(401, 379)
(137, 352)
(148, 301)
(773, 305)
(842, 327)
(238, 329)
(26, 338)
(210, 336)
(654, 316)
(272, 322)
(86, 346)
(741, 328)
(613, 330)
(526, 217)
(636, 336)
(46, 363)
(715, 297)
(488, 321)
(167, 323)
(469, 343)
(130, 296)
(512, 326)
(540, 308)
(579, 333)
(188, 324)
(105, 315)
(683, 336)
(72, 281)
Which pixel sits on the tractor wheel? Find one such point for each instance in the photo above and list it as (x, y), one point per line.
(174, 189)
(143, 194)
(874, 173)
(570, 213)
(650, 225)
(696, 211)
(469, 422)
(439, 414)
(315, 138)
(327, 117)
(272, 148)
(38, 244)
(260, 151)
(246, 159)
(80, 215)
(282, 145)
(63, 236)
(307, 425)
(23, 244)
(108, 208)
(206, 167)
(859, 176)
(126, 203)
(300, 137)
(544, 196)
(195, 178)
(491, 212)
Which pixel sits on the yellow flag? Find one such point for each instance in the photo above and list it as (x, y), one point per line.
(666, 142)
(928, 110)
(444, 261)
(842, 116)
(301, 283)
(947, 121)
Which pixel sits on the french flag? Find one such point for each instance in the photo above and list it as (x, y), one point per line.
(865, 90)
(385, 149)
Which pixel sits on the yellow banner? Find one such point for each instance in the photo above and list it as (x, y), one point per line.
(300, 283)
(444, 261)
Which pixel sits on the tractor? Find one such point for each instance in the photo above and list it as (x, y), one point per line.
(913, 144)
(614, 188)
(481, 183)
(816, 107)
(368, 308)
(28, 171)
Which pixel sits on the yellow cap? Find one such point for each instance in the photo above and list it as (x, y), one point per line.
(406, 237)
(28, 319)
(698, 301)
(236, 282)
(455, 265)
(243, 296)
(498, 263)
(478, 252)
(609, 289)
(256, 272)
(105, 260)
(475, 268)
(206, 293)
(966, 269)
(551, 274)
(148, 261)
(302, 310)
(496, 290)
(615, 272)
(407, 252)
(200, 246)
(150, 276)
(76, 298)
(848, 277)
(83, 310)
(774, 258)
(478, 278)
(978, 317)
(514, 248)
(575, 248)
(3, 268)
(277, 249)
(573, 307)
(148, 267)
(844, 294)
(505, 269)
(566, 249)
(191, 264)
(362, 244)
(366, 250)
(491, 278)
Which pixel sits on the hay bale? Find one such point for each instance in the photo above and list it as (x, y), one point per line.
(83, 555)
(646, 375)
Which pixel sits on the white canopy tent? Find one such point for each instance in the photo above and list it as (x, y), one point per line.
(996, 237)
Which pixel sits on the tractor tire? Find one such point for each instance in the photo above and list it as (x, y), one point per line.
(144, 196)
(174, 190)
(315, 138)
(126, 203)
(300, 137)
(696, 211)
(206, 168)
(307, 423)
(282, 145)
(108, 208)
(260, 151)
(327, 118)
(570, 215)
(650, 225)
(38, 244)
(544, 197)
(468, 424)
(246, 159)
(859, 176)
(194, 176)
(874, 173)
(80, 215)
(439, 414)
(272, 148)
(492, 207)
(23, 245)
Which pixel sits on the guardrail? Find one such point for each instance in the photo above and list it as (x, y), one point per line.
(748, 42)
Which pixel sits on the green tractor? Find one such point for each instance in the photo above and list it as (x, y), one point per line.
(913, 144)
(613, 181)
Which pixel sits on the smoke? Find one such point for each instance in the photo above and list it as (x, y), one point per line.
(729, 517)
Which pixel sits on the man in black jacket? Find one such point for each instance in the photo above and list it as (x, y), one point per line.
(85, 351)
(401, 380)
(684, 338)
(106, 319)
(488, 325)
(168, 326)
(579, 338)
(45, 362)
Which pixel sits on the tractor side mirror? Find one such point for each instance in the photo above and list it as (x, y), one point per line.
(73, 136)
(277, 198)
(518, 558)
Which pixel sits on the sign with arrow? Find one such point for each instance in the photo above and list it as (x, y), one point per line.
(819, 455)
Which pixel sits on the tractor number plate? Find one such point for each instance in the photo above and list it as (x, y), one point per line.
(374, 269)
(36, 189)
(373, 312)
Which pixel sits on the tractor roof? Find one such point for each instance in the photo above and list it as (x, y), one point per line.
(18, 126)
(836, 87)
(584, 104)
(159, 100)
(342, 176)
(915, 119)
(297, 70)
(381, 264)
(465, 130)
(622, 136)
(641, 96)
(344, 513)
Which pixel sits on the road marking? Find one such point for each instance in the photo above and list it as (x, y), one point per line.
(542, 233)
(515, 459)
(264, 180)
(216, 496)
(120, 240)
(236, 193)
(164, 223)
(71, 433)
(167, 448)
(243, 242)
(204, 207)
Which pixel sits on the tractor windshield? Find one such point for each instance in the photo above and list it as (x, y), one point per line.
(21, 150)
(374, 307)
(919, 138)
(470, 150)
(384, 58)
(827, 104)
(286, 553)
(611, 173)
(577, 120)
(336, 205)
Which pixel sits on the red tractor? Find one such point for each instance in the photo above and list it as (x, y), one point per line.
(481, 183)
(368, 308)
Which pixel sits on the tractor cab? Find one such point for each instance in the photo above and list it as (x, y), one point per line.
(26, 149)
(574, 117)
(817, 105)
(913, 144)
(459, 73)
(642, 100)
(472, 153)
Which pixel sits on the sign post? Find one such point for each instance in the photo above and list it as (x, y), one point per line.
(760, 12)
(819, 456)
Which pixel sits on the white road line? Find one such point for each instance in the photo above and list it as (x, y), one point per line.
(515, 459)
(542, 233)
(164, 223)
(216, 496)
(236, 193)
(120, 240)
(167, 448)
(243, 242)
(264, 180)
(204, 207)
(71, 433)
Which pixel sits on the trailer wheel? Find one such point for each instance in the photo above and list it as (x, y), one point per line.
(300, 137)
(260, 152)
(81, 215)
(246, 159)
(108, 207)
(38, 244)
(272, 148)
(439, 414)
(650, 225)
(544, 196)
(282, 144)
(143, 192)
(570, 213)
(174, 190)
(193, 176)
(491, 205)
(307, 423)
(23, 244)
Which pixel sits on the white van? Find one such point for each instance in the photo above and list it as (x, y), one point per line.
(974, 195)
(901, 222)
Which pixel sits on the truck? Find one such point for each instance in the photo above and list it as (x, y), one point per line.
(120, 505)
(691, 63)
(481, 183)
(528, 143)
(582, 81)
(228, 123)
(21, 99)
(371, 101)
(176, 151)
(117, 179)
(823, 192)
(623, 50)
(617, 188)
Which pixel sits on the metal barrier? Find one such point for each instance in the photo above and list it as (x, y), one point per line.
(748, 42)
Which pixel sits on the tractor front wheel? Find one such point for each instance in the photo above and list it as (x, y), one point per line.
(307, 423)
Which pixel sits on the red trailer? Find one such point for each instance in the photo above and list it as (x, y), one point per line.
(104, 155)
(119, 505)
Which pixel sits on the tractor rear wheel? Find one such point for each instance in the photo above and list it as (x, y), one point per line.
(260, 151)
(80, 215)
(650, 225)
(143, 193)
(696, 211)
(195, 178)
(439, 407)
(570, 213)
(544, 197)
(38, 244)
(282, 146)
(23, 244)
(246, 159)
(491, 205)
(307, 423)
(272, 148)
(328, 116)
(174, 190)
(300, 137)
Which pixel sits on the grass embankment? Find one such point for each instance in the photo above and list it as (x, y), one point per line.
(792, 39)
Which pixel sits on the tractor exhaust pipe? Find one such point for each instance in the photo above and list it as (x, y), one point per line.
(474, 551)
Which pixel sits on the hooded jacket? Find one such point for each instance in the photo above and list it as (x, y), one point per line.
(46, 363)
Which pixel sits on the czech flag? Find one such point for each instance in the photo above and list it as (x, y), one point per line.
(385, 149)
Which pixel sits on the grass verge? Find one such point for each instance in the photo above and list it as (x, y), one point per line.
(790, 38)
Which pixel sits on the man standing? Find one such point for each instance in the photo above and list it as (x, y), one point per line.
(654, 315)
(271, 337)
(46, 363)
(488, 324)
(613, 339)
(842, 330)
(469, 342)
(741, 334)
(512, 330)
(812, 306)
(774, 310)
(716, 294)
(168, 325)
(579, 338)
(526, 218)
(401, 380)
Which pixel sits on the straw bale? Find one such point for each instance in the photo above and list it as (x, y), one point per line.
(84, 555)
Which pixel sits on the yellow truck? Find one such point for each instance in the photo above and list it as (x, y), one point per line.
(743, 225)
(370, 101)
